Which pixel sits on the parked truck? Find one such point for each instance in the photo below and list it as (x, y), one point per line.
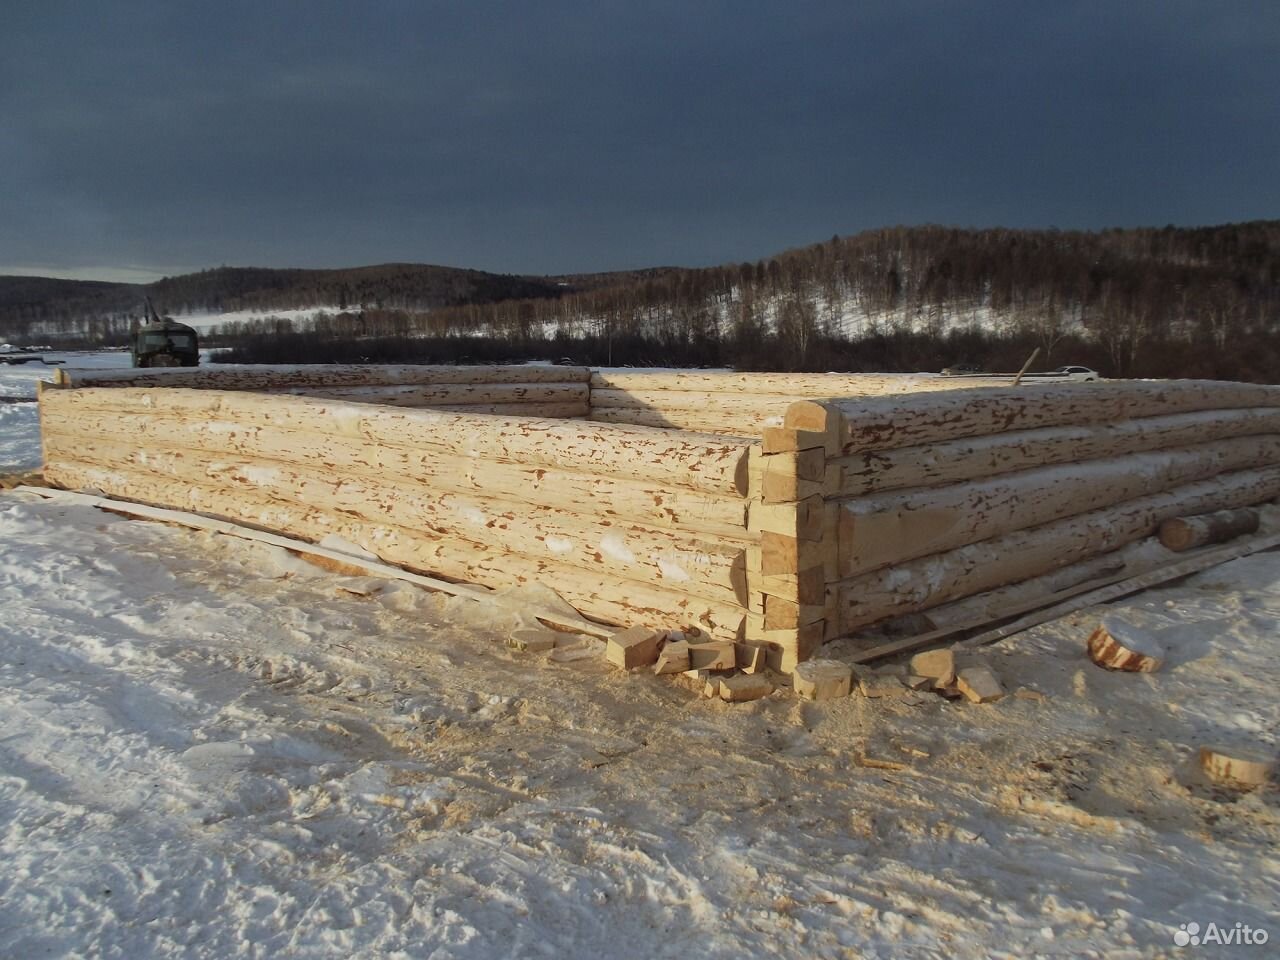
(164, 342)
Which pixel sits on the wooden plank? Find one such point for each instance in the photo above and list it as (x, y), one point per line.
(786, 477)
(803, 520)
(1067, 601)
(376, 568)
(779, 440)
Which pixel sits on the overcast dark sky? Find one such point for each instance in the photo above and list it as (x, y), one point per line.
(558, 137)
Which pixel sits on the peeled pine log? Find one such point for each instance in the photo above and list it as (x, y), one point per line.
(266, 377)
(936, 464)
(649, 502)
(1116, 645)
(1237, 767)
(545, 411)
(699, 567)
(414, 395)
(1128, 561)
(701, 462)
(1187, 533)
(728, 425)
(888, 423)
(930, 581)
(693, 401)
(890, 528)
(782, 385)
(612, 599)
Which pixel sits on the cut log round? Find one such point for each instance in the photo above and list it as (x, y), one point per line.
(1187, 533)
(1117, 645)
(1236, 767)
(822, 679)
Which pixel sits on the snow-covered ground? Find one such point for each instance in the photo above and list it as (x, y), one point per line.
(211, 748)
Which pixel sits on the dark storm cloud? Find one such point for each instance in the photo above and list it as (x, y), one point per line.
(575, 136)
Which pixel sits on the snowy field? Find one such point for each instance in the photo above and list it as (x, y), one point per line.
(19, 421)
(210, 748)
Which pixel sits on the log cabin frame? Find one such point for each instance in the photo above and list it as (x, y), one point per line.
(777, 509)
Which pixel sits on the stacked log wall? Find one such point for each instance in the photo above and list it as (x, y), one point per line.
(630, 524)
(934, 497)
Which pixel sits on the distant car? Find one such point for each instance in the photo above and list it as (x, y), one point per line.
(1077, 373)
(961, 370)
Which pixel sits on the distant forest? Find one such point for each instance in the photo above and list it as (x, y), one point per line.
(1183, 302)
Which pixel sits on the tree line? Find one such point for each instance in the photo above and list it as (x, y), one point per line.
(1132, 302)
(1199, 302)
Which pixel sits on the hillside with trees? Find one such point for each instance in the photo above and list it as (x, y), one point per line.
(1137, 302)
(1166, 301)
(66, 308)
